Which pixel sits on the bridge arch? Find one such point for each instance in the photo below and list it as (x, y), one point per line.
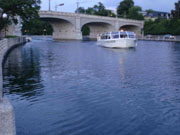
(131, 27)
(97, 27)
(61, 27)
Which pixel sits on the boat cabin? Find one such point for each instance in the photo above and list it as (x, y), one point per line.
(117, 35)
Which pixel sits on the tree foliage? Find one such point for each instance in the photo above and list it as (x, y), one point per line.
(36, 27)
(176, 13)
(123, 8)
(85, 30)
(98, 9)
(26, 9)
(149, 11)
(134, 13)
(80, 10)
(162, 26)
(127, 9)
(90, 11)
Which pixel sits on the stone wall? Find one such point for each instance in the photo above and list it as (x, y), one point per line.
(7, 123)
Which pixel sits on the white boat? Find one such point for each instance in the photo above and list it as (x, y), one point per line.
(120, 39)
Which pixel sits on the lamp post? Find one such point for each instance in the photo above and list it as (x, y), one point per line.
(5, 17)
(62, 4)
(49, 5)
(1, 11)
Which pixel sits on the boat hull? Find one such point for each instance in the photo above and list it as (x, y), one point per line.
(118, 43)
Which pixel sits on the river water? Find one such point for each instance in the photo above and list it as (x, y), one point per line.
(78, 88)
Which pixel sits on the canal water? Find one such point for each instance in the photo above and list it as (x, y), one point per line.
(78, 88)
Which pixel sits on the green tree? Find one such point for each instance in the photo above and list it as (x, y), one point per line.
(123, 8)
(134, 13)
(110, 13)
(149, 11)
(26, 9)
(162, 26)
(100, 10)
(176, 13)
(90, 11)
(80, 10)
(36, 27)
(85, 30)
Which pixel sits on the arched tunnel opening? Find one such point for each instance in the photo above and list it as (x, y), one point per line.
(37, 27)
(62, 29)
(133, 28)
(85, 30)
(92, 29)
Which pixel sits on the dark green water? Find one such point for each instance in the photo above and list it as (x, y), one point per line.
(78, 88)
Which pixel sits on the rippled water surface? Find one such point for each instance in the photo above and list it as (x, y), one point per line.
(78, 88)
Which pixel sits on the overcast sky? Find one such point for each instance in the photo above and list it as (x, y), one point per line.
(70, 5)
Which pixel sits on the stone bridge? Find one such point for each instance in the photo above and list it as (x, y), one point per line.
(69, 25)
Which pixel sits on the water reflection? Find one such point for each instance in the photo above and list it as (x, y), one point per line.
(78, 88)
(22, 73)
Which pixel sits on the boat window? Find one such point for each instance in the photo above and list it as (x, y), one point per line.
(123, 34)
(115, 36)
(131, 34)
(105, 36)
(115, 33)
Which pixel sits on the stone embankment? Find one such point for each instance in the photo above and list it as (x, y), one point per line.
(7, 123)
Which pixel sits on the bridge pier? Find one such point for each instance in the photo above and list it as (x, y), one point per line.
(64, 30)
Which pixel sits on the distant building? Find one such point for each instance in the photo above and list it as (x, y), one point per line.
(155, 14)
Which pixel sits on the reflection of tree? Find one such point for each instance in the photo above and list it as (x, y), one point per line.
(22, 72)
